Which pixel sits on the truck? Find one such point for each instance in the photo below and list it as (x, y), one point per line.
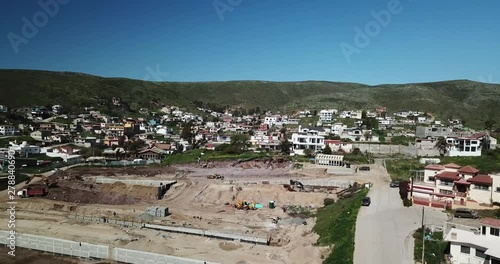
(32, 191)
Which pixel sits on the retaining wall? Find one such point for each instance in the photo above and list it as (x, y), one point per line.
(86, 250)
(209, 233)
(134, 182)
(58, 246)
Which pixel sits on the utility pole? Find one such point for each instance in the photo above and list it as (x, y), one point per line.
(423, 236)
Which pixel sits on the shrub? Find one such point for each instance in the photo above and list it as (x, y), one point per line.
(407, 203)
(328, 201)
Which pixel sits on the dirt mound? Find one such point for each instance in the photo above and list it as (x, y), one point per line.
(88, 197)
(136, 191)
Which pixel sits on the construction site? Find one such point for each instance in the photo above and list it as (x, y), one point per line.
(258, 211)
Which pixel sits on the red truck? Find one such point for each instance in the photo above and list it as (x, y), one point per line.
(32, 191)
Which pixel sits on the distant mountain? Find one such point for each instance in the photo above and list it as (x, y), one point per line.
(471, 101)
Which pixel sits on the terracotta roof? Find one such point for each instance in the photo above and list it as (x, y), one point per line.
(434, 167)
(448, 175)
(468, 169)
(462, 181)
(481, 179)
(491, 222)
(452, 166)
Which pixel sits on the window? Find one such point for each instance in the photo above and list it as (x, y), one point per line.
(494, 231)
(481, 187)
(431, 178)
(480, 253)
(498, 189)
(467, 149)
(445, 192)
(483, 230)
(465, 249)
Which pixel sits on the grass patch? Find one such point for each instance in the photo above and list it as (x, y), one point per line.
(400, 169)
(434, 248)
(192, 156)
(305, 121)
(489, 161)
(336, 224)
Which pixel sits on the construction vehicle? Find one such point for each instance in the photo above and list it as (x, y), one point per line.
(294, 186)
(245, 205)
(32, 177)
(45, 180)
(33, 191)
(215, 176)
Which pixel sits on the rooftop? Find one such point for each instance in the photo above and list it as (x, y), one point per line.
(468, 170)
(481, 179)
(448, 175)
(491, 222)
(434, 167)
(452, 166)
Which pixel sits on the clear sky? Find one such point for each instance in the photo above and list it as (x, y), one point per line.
(276, 40)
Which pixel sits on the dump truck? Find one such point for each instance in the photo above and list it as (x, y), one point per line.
(33, 191)
(215, 176)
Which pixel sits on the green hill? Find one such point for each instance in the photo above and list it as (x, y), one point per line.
(471, 101)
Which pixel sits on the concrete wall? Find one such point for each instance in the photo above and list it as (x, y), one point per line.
(59, 246)
(86, 250)
(140, 257)
(133, 182)
(209, 233)
(386, 149)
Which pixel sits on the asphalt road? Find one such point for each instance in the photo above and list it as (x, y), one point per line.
(383, 229)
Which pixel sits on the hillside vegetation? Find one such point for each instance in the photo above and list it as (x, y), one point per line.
(473, 102)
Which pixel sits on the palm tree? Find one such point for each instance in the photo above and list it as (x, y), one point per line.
(442, 146)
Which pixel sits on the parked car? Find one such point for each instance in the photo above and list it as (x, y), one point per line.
(466, 213)
(394, 184)
(366, 201)
(364, 168)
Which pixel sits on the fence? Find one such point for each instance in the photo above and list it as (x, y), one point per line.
(92, 251)
(58, 246)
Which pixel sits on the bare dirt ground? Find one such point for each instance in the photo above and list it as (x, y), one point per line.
(193, 201)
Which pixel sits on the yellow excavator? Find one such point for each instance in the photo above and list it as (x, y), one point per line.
(45, 180)
(245, 205)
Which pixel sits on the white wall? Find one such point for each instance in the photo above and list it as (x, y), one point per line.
(460, 258)
(480, 196)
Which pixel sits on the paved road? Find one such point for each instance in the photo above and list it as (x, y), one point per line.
(383, 230)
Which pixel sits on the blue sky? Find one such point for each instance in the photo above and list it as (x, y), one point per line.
(277, 40)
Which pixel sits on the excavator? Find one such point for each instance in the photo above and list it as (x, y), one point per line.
(45, 180)
(245, 205)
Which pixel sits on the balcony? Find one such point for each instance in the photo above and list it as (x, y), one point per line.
(461, 194)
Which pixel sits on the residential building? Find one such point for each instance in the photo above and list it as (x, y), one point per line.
(432, 131)
(481, 246)
(339, 145)
(327, 115)
(24, 149)
(41, 135)
(452, 184)
(151, 154)
(7, 130)
(307, 139)
(469, 146)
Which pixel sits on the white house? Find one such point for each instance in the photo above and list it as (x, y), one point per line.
(24, 149)
(327, 115)
(307, 139)
(459, 146)
(339, 145)
(7, 130)
(481, 246)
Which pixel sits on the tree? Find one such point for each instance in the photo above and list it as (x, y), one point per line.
(332, 137)
(121, 141)
(240, 142)
(488, 124)
(308, 152)
(251, 132)
(187, 132)
(368, 135)
(283, 130)
(135, 146)
(442, 146)
(285, 147)
(315, 113)
(363, 114)
(327, 150)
